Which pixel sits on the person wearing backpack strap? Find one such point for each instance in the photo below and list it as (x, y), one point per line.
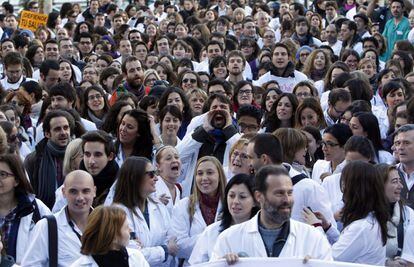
(19, 209)
(79, 191)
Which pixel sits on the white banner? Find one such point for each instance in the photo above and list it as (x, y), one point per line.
(271, 262)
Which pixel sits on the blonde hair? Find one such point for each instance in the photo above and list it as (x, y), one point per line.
(73, 150)
(242, 142)
(195, 196)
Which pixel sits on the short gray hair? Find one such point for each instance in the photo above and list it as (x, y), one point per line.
(404, 128)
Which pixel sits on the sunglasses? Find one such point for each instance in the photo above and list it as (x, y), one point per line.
(151, 174)
(189, 80)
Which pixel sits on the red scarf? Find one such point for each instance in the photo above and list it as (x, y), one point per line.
(208, 206)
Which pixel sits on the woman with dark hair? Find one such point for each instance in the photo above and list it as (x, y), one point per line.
(400, 215)
(188, 79)
(218, 68)
(165, 72)
(334, 70)
(333, 142)
(52, 23)
(238, 206)
(175, 96)
(191, 215)
(282, 113)
(35, 55)
(309, 113)
(81, 27)
(366, 124)
(134, 136)
(364, 216)
(373, 55)
(351, 58)
(95, 105)
(393, 93)
(269, 97)
(304, 89)
(243, 95)
(19, 209)
(314, 148)
(67, 73)
(114, 116)
(250, 51)
(148, 219)
(106, 238)
(170, 122)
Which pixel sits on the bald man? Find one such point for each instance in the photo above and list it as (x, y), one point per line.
(79, 191)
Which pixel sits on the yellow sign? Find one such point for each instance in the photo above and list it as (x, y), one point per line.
(32, 20)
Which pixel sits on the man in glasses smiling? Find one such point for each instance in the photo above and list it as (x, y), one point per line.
(339, 100)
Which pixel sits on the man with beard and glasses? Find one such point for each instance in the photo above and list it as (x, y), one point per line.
(272, 233)
(266, 149)
(133, 71)
(332, 39)
(45, 165)
(214, 137)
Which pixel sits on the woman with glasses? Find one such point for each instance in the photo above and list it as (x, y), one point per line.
(19, 209)
(95, 105)
(305, 89)
(188, 79)
(333, 141)
(147, 218)
(176, 97)
(238, 162)
(193, 214)
(243, 95)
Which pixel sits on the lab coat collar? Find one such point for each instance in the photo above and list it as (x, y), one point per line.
(253, 226)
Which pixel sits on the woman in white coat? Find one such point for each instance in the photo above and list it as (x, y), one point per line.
(193, 214)
(148, 218)
(365, 216)
(168, 165)
(238, 206)
(401, 216)
(19, 209)
(105, 239)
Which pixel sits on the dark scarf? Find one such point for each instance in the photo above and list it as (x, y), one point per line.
(138, 92)
(48, 173)
(306, 40)
(24, 207)
(6, 261)
(113, 258)
(317, 75)
(289, 71)
(98, 122)
(105, 178)
(208, 206)
(218, 136)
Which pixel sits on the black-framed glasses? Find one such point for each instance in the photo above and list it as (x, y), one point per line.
(4, 175)
(338, 111)
(245, 92)
(329, 144)
(151, 174)
(189, 80)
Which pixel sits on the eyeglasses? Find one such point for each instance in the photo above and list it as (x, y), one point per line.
(245, 92)
(303, 94)
(151, 174)
(338, 111)
(4, 175)
(189, 80)
(241, 155)
(328, 143)
(93, 97)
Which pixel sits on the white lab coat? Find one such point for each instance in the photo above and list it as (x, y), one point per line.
(408, 249)
(25, 231)
(308, 193)
(360, 242)
(135, 259)
(321, 166)
(188, 150)
(155, 235)
(303, 240)
(186, 232)
(69, 245)
(286, 83)
(161, 188)
(205, 243)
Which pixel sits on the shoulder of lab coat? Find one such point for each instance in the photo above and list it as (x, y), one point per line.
(245, 237)
(205, 243)
(161, 188)
(89, 126)
(332, 186)
(321, 166)
(308, 193)
(195, 122)
(408, 249)
(60, 201)
(25, 231)
(152, 237)
(385, 157)
(135, 258)
(69, 245)
(360, 242)
(186, 232)
(110, 197)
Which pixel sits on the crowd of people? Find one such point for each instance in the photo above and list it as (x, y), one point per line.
(158, 133)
